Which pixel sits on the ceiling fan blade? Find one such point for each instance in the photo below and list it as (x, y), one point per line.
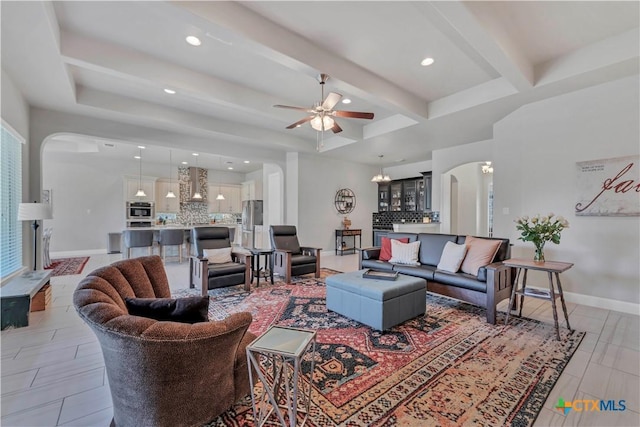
(353, 114)
(336, 127)
(331, 100)
(299, 122)
(292, 108)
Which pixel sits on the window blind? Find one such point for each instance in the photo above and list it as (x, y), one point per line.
(10, 198)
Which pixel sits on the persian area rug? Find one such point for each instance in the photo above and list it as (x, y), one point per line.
(447, 368)
(67, 266)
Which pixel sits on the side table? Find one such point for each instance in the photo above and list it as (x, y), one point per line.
(281, 350)
(255, 264)
(341, 245)
(552, 268)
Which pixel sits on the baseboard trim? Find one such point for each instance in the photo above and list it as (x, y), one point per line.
(87, 252)
(599, 302)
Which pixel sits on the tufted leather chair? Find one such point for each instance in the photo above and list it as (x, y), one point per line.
(291, 259)
(210, 276)
(162, 373)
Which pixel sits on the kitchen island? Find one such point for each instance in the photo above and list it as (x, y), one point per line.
(236, 232)
(417, 227)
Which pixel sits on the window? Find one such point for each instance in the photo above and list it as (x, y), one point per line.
(10, 198)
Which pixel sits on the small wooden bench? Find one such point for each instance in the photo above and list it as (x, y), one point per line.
(27, 292)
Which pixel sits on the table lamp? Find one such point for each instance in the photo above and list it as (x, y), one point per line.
(34, 212)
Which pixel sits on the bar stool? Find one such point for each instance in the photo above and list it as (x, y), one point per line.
(138, 239)
(171, 238)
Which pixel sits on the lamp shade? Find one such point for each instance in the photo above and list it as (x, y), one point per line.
(34, 211)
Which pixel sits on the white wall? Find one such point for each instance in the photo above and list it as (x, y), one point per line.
(535, 151)
(408, 170)
(467, 200)
(319, 179)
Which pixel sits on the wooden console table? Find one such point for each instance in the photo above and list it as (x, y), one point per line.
(552, 268)
(341, 245)
(28, 292)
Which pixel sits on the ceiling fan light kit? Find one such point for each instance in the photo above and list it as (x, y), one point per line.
(322, 114)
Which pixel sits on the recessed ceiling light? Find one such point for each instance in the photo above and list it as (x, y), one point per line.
(247, 161)
(346, 101)
(195, 154)
(427, 61)
(142, 147)
(136, 157)
(193, 41)
(185, 163)
(230, 168)
(170, 91)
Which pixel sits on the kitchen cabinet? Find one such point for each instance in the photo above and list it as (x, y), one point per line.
(395, 187)
(405, 195)
(132, 184)
(163, 204)
(232, 202)
(249, 190)
(383, 197)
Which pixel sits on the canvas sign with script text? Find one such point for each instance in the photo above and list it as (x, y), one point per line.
(609, 187)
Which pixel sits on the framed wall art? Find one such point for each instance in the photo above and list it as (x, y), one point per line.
(608, 187)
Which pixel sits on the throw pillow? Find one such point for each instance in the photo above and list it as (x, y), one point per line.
(184, 310)
(452, 257)
(385, 250)
(480, 252)
(218, 256)
(404, 253)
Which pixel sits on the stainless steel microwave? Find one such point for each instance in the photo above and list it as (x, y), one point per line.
(140, 210)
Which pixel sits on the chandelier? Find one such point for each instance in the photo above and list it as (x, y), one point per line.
(140, 192)
(487, 168)
(381, 177)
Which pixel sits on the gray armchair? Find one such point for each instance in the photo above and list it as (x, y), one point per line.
(162, 373)
(210, 276)
(289, 258)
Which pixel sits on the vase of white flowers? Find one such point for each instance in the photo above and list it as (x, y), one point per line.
(540, 230)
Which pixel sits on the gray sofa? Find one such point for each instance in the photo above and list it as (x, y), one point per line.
(492, 285)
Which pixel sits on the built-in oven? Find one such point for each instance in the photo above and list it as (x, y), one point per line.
(140, 210)
(138, 223)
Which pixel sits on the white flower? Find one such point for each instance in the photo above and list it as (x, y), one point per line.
(525, 218)
(544, 219)
(550, 215)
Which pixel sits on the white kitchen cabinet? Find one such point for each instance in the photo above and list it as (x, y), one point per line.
(132, 184)
(163, 204)
(232, 202)
(249, 190)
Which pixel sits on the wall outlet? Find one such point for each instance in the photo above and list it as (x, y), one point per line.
(505, 211)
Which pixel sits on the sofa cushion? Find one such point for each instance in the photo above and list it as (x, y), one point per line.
(422, 271)
(452, 257)
(460, 280)
(432, 245)
(404, 253)
(217, 256)
(385, 249)
(184, 310)
(480, 252)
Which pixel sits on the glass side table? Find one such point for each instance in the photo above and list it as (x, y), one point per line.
(281, 350)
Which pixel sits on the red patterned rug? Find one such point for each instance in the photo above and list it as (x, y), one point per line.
(67, 266)
(447, 368)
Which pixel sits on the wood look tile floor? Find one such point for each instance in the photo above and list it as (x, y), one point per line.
(52, 372)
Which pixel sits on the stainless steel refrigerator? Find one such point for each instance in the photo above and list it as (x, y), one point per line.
(251, 216)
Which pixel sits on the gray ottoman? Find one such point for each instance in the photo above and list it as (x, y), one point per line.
(380, 304)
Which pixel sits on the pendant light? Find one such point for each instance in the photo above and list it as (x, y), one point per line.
(170, 193)
(220, 196)
(381, 177)
(197, 194)
(140, 192)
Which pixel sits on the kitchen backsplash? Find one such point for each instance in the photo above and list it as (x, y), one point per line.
(385, 220)
(218, 218)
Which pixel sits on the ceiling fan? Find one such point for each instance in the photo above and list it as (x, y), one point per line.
(322, 113)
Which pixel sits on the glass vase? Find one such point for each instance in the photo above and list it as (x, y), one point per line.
(538, 256)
